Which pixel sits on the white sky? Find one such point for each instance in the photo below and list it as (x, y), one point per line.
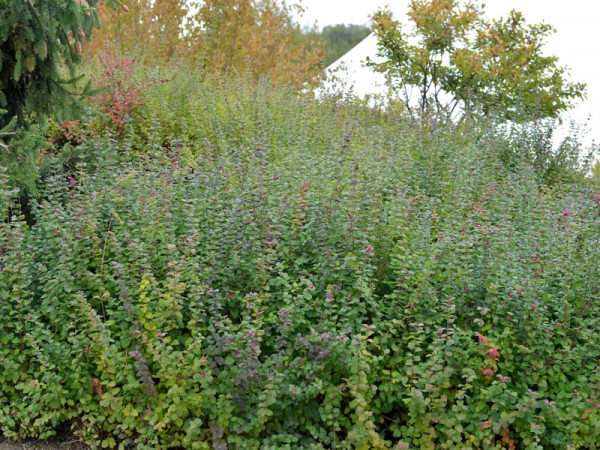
(575, 42)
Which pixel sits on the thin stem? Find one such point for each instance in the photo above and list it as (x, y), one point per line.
(102, 267)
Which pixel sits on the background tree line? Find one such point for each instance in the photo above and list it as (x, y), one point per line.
(337, 39)
(225, 34)
(222, 36)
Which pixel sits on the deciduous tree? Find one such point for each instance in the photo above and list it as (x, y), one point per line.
(152, 31)
(257, 38)
(454, 58)
(224, 36)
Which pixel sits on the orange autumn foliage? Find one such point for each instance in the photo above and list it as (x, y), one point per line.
(240, 36)
(247, 37)
(144, 29)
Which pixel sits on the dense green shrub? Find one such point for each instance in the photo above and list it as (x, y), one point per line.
(289, 273)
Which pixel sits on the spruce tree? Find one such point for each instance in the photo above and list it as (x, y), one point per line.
(40, 47)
